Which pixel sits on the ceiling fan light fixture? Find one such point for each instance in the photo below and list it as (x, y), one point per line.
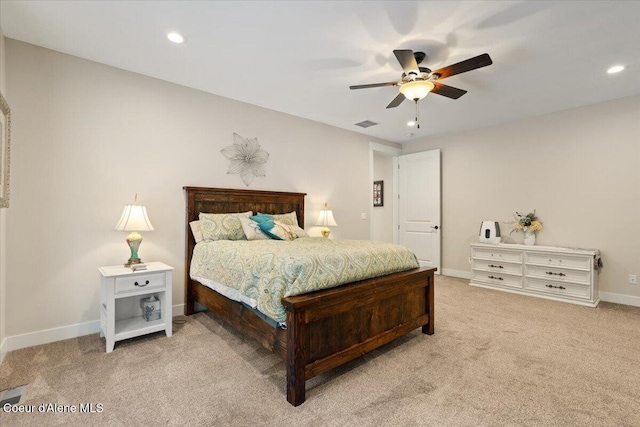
(417, 89)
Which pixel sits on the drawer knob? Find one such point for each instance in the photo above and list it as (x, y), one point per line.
(557, 287)
(551, 273)
(142, 286)
(498, 278)
(495, 266)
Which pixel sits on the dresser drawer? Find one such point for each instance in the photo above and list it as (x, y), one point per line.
(500, 279)
(138, 282)
(558, 274)
(497, 266)
(552, 287)
(581, 262)
(497, 255)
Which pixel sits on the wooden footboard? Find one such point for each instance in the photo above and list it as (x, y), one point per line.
(329, 328)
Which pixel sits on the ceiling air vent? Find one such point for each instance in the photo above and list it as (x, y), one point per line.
(366, 124)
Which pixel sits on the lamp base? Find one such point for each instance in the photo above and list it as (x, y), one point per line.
(133, 240)
(131, 262)
(325, 232)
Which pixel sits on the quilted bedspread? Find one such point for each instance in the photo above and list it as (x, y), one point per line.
(268, 270)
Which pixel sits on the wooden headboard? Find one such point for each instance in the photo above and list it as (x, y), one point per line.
(225, 200)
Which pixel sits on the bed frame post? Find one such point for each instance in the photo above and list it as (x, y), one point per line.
(296, 357)
(428, 328)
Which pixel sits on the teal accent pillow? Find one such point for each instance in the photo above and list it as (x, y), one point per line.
(260, 217)
(281, 231)
(289, 218)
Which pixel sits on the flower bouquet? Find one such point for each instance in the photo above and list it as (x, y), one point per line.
(528, 224)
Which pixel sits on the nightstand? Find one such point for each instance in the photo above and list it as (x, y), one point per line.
(120, 293)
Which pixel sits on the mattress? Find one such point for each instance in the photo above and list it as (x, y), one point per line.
(260, 273)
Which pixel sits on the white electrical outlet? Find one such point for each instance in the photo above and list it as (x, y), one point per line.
(633, 279)
(363, 215)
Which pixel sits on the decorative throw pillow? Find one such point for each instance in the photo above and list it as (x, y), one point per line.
(223, 226)
(276, 230)
(252, 230)
(294, 229)
(289, 218)
(281, 231)
(196, 230)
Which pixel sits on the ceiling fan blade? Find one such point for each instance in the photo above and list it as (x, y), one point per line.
(407, 60)
(448, 91)
(396, 101)
(464, 66)
(373, 85)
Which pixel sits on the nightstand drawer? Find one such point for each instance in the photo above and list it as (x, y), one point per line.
(139, 282)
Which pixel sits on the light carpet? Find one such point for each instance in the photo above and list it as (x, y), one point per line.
(496, 359)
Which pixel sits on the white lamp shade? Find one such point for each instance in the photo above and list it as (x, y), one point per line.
(416, 89)
(326, 218)
(134, 218)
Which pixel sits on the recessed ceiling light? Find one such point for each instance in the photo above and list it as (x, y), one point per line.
(175, 37)
(411, 123)
(615, 69)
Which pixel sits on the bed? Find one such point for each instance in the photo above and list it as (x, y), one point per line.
(326, 328)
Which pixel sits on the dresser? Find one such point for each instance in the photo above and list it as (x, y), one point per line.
(560, 274)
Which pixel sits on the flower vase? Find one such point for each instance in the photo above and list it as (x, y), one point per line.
(529, 239)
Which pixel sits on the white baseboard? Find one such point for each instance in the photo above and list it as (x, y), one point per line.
(3, 349)
(17, 342)
(177, 310)
(456, 273)
(620, 299)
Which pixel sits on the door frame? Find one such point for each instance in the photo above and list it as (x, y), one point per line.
(391, 152)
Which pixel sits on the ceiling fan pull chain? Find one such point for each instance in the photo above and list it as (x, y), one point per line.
(417, 115)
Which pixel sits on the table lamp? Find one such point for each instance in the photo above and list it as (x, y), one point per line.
(325, 219)
(134, 218)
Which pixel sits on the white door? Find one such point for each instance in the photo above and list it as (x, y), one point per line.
(419, 205)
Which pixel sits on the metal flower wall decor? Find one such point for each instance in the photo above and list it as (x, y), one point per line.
(247, 158)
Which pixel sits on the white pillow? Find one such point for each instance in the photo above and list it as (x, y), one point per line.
(196, 230)
(252, 230)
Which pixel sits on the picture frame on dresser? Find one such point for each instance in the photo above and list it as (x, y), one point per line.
(5, 151)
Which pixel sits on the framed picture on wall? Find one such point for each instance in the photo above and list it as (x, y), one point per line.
(378, 193)
(5, 143)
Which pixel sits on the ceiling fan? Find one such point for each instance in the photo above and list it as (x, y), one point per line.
(417, 82)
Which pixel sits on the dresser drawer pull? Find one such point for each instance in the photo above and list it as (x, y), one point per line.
(557, 287)
(551, 273)
(495, 266)
(498, 278)
(142, 286)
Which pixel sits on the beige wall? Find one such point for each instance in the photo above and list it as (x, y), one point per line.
(382, 216)
(578, 168)
(88, 137)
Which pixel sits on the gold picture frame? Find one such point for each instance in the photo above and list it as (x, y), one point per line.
(5, 151)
